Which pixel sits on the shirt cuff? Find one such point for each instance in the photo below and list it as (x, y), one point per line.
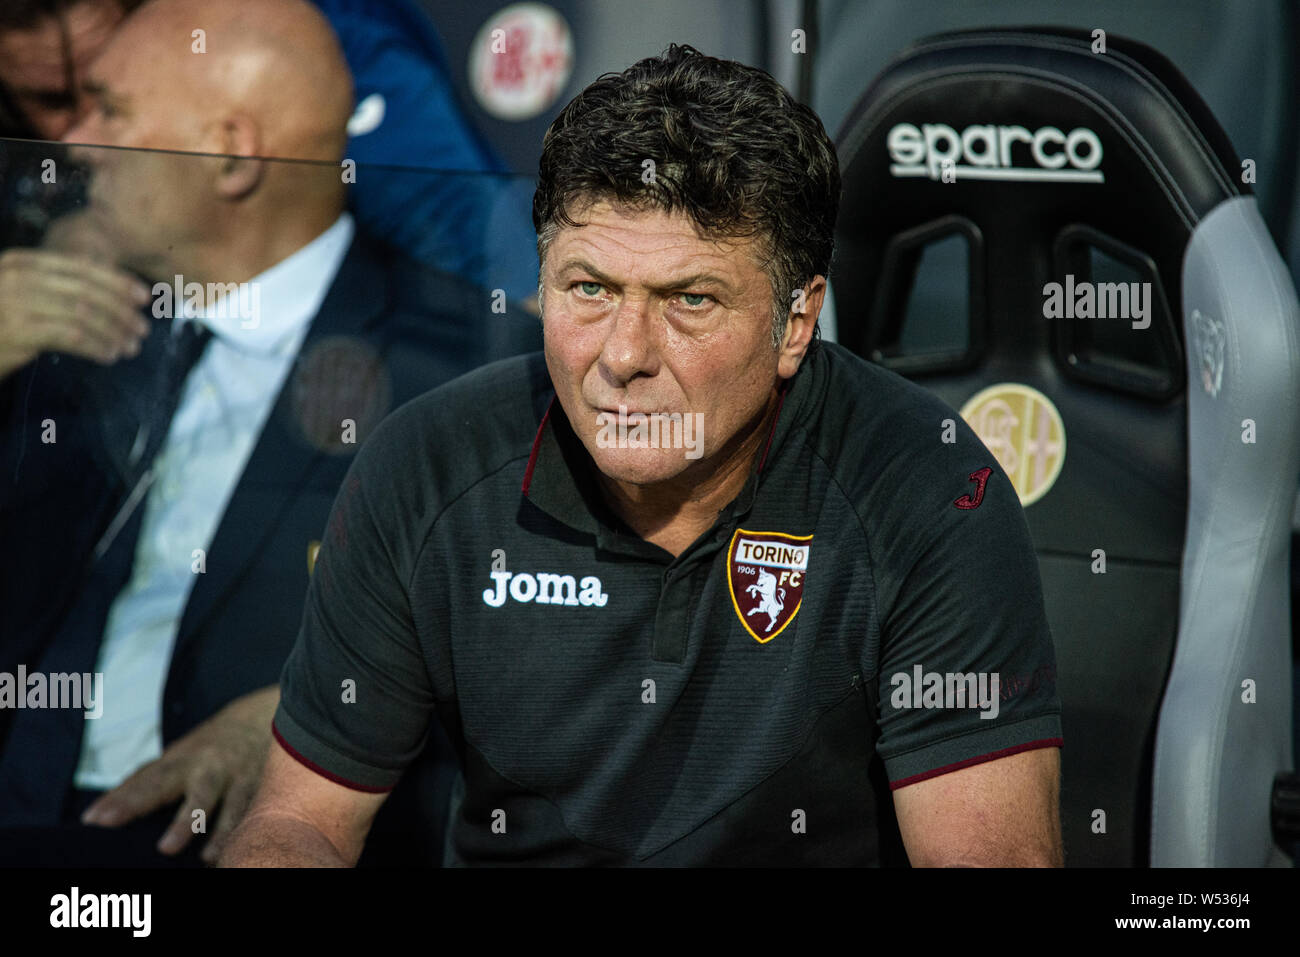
(309, 751)
(974, 747)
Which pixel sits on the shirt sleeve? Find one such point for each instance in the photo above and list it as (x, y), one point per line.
(355, 695)
(967, 668)
(451, 207)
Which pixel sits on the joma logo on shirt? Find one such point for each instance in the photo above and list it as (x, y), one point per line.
(544, 588)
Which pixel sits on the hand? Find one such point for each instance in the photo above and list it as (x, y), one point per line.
(55, 301)
(218, 763)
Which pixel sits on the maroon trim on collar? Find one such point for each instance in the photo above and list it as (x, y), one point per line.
(775, 419)
(537, 446)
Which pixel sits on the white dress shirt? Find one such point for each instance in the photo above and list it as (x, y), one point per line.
(224, 403)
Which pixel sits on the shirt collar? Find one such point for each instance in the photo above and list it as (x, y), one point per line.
(266, 313)
(559, 477)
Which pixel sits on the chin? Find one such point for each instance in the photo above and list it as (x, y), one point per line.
(641, 466)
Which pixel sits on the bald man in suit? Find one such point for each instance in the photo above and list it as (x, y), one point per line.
(181, 579)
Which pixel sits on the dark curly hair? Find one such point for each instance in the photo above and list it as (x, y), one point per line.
(731, 148)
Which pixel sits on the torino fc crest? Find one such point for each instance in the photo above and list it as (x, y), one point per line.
(766, 572)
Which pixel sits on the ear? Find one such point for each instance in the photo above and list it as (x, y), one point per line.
(801, 323)
(240, 169)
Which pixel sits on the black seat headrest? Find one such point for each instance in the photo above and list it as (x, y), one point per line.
(1036, 149)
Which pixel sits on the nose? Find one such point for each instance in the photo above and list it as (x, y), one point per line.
(83, 125)
(631, 349)
(76, 130)
(81, 132)
(52, 124)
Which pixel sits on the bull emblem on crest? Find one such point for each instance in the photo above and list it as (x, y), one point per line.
(770, 602)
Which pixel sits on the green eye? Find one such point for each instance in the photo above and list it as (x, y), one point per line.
(594, 289)
(688, 296)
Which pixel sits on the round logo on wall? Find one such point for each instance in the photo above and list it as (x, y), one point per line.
(520, 61)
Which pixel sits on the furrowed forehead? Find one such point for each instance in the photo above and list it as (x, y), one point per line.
(672, 235)
(730, 258)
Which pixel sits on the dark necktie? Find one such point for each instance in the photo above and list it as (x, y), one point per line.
(41, 753)
(175, 353)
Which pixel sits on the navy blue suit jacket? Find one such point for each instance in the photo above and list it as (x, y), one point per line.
(398, 327)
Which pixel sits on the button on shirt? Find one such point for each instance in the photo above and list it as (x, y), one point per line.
(224, 404)
(739, 703)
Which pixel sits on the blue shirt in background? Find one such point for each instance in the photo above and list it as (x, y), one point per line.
(427, 181)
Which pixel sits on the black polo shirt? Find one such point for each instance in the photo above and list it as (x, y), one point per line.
(752, 701)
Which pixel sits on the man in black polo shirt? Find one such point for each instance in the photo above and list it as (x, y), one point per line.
(691, 587)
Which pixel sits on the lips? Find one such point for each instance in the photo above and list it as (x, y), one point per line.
(629, 412)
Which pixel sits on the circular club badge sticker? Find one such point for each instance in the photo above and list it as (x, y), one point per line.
(520, 61)
(339, 392)
(1023, 430)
